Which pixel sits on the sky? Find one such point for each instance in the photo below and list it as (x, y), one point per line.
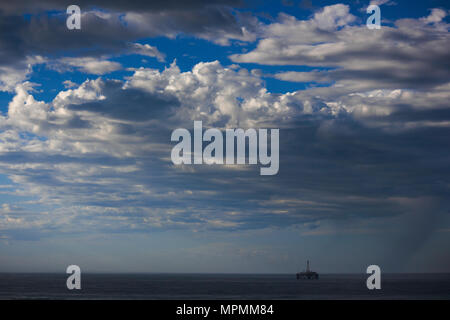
(86, 118)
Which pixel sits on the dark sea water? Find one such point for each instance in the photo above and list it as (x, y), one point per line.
(220, 286)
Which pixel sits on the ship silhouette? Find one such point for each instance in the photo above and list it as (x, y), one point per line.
(308, 274)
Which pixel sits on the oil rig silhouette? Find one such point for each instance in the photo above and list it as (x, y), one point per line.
(308, 274)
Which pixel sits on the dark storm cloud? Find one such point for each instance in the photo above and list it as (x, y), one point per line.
(29, 6)
(111, 30)
(10, 40)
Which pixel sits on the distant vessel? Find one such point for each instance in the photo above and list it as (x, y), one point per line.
(308, 274)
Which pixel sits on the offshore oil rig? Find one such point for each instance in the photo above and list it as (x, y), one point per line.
(308, 274)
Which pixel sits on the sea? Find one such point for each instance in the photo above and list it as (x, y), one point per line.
(223, 286)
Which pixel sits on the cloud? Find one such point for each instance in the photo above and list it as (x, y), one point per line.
(69, 84)
(11, 76)
(381, 2)
(331, 17)
(147, 50)
(409, 55)
(101, 65)
(295, 76)
(84, 146)
(436, 15)
(88, 65)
